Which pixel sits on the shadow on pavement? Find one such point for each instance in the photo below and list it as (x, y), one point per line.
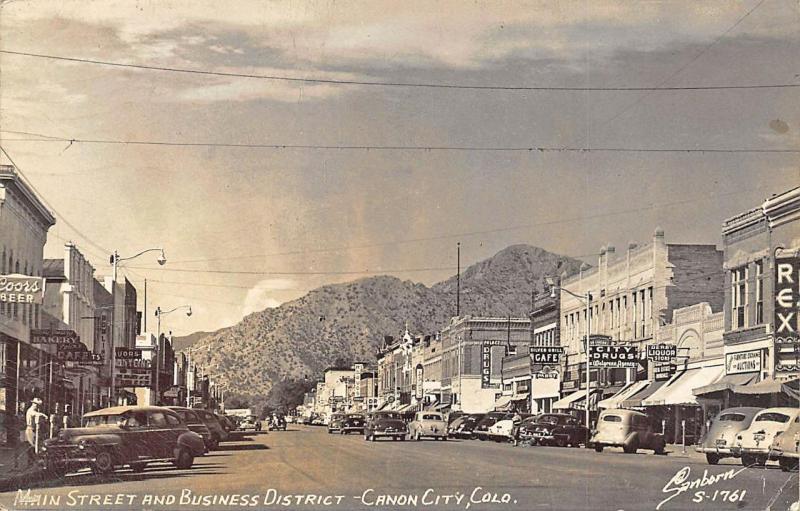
(245, 447)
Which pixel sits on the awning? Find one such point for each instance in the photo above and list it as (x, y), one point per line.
(626, 392)
(383, 406)
(678, 390)
(572, 400)
(502, 403)
(594, 396)
(727, 382)
(635, 399)
(519, 397)
(771, 386)
(404, 408)
(442, 407)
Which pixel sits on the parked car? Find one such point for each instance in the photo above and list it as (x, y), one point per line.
(786, 447)
(753, 443)
(452, 416)
(428, 424)
(385, 424)
(335, 424)
(249, 423)
(482, 427)
(720, 438)
(123, 435)
(194, 423)
(454, 425)
(352, 423)
(226, 423)
(559, 429)
(628, 429)
(465, 429)
(218, 433)
(501, 430)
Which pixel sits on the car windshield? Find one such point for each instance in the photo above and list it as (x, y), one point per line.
(101, 420)
(731, 417)
(388, 416)
(431, 417)
(531, 420)
(772, 417)
(612, 418)
(548, 419)
(355, 416)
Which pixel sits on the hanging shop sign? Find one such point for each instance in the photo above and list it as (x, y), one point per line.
(132, 363)
(81, 357)
(133, 378)
(547, 373)
(39, 336)
(662, 352)
(486, 362)
(128, 353)
(787, 315)
(21, 289)
(663, 371)
(613, 356)
(546, 354)
(358, 370)
(419, 390)
(743, 362)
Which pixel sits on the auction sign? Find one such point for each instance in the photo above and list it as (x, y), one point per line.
(787, 314)
(613, 356)
(548, 355)
(21, 289)
(486, 362)
(743, 362)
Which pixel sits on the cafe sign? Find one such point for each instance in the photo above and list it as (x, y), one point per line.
(550, 355)
(743, 362)
(21, 289)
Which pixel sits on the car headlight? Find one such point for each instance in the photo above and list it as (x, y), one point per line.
(82, 445)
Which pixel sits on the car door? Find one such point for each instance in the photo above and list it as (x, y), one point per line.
(161, 437)
(133, 437)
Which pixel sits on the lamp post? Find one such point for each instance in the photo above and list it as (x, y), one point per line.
(586, 299)
(158, 315)
(115, 260)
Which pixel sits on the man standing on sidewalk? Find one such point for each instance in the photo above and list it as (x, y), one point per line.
(32, 418)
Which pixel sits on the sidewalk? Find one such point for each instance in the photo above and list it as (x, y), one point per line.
(17, 467)
(676, 451)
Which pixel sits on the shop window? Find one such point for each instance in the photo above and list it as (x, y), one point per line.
(759, 292)
(739, 297)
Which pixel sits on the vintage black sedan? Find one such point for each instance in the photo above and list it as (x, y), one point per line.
(123, 435)
(385, 424)
(352, 423)
(558, 429)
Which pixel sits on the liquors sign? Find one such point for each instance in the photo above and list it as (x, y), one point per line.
(21, 289)
(787, 315)
(662, 352)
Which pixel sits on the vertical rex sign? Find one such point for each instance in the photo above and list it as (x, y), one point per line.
(786, 316)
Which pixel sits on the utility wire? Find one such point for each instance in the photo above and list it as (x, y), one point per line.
(331, 81)
(416, 148)
(49, 205)
(289, 273)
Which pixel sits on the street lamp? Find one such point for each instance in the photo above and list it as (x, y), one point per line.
(586, 299)
(115, 259)
(158, 315)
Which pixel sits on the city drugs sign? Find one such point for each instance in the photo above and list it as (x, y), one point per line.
(550, 355)
(613, 356)
(21, 289)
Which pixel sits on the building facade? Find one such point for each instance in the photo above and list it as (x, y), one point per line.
(24, 368)
(546, 373)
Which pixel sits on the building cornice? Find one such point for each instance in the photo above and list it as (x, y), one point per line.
(782, 208)
(9, 175)
(742, 220)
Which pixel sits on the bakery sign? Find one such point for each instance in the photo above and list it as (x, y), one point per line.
(743, 362)
(21, 289)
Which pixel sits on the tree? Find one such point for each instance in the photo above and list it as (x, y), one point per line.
(287, 394)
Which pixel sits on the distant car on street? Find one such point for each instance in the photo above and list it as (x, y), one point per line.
(123, 435)
(385, 424)
(720, 438)
(428, 424)
(352, 423)
(249, 423)
(559, 429)
(753, 443)
(481, 431)
(335, 423)
(628, 429)
(786, 447)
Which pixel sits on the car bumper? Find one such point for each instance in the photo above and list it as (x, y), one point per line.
(353, 429)
(388, 433)
(722, 451)
(71, 456)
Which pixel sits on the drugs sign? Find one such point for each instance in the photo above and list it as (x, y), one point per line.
(550, 355)
(486, 362)
(613, 356)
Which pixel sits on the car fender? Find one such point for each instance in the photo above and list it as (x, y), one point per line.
(188, 441)
(101, 440)
(633, 435)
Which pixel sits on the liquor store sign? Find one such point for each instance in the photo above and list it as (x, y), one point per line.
(21, 289)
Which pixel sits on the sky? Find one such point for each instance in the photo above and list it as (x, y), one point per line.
(292, 219)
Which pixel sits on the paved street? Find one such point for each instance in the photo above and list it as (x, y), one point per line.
(344, 472)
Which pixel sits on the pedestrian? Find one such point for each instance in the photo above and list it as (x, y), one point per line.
(56, 419)
(516, 422)
(33, 417)
(67, 419)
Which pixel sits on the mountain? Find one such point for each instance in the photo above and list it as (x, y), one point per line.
(341, 323)
(180, 343)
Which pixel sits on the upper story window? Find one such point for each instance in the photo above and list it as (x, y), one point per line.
(739, 297)
(759, 292)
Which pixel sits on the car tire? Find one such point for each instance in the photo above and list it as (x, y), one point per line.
(598, 447)
(138, 467)
(661, 447)
(103, 463)
(560, 441)
(444, 439)
(631, 447)
(788, 464)
(712, 458)
(749, 460)
(56, 471)
(184, 460)
(402, 438)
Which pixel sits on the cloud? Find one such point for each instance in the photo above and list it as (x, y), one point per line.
(262, 295)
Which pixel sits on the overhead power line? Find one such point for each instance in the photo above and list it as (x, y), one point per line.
(431, 85)
(415, 148)
(289, 273)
